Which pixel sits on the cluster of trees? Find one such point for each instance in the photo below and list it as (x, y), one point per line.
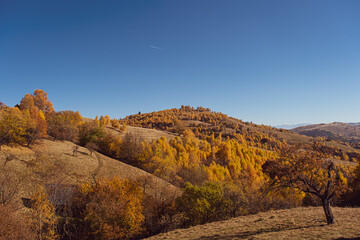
(34, 118)
(108, 209)
(333, 152)
(25, 123)
(204, 122)
(189, 159)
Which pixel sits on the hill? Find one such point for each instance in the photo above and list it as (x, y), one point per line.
(296, 223)
(345, 132)
(204, 122)
(63, 162)
(145, 134)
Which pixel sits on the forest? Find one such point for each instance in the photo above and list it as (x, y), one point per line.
(222, 166)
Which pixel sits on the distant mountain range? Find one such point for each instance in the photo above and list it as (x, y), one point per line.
(292, 126)
(289, 126)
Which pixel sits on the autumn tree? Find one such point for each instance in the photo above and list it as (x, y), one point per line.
(21, 127)
(96, 121)
(104, 120)
(12, 126)
(201, 204)
(307, 172)
(235, 200)
(90, 133)
(354, 197)
(64, 125)
(160, 211)
(115, 123)
(35, 125)
(111, 209)
(27, 102)
(43, 216)
(42, 101)
(107, 119)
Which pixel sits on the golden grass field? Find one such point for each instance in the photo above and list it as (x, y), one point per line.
(292, 224)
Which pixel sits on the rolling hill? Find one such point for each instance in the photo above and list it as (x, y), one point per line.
(56, 162)
(203, 121)
(345, 132)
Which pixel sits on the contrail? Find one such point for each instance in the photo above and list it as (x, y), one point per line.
(155, 47)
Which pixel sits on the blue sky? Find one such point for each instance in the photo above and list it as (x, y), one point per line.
(265, 61)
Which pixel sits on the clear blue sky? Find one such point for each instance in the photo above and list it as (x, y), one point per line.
(266, 61)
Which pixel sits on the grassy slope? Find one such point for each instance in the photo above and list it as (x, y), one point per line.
(60, 166)
(144, 133)
(297, 223)
(290, 137)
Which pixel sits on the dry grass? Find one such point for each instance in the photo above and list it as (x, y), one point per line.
(60, 165)
(298, 223)
(142, 133)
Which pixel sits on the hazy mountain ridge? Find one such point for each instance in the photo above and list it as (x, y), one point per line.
(291, 126)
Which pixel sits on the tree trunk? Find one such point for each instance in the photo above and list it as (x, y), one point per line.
(328, 213)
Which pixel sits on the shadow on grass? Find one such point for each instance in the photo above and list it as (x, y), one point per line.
(247, 234)
(356, 238)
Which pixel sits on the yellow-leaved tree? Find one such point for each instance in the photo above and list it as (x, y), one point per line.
(111, 208)
(43, 216)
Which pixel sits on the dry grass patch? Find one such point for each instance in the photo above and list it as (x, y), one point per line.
(298, 223)
(146, 134)
(56, 162)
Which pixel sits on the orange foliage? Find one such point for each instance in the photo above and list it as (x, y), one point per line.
(112, 208)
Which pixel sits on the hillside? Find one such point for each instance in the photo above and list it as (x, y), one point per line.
(225, 168)
(297, 223)
(145, 134)
(333, 131)
(52, 162)
(204, 122)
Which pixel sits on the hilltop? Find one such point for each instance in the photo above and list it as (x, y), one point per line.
(204, 122)
(297, 223)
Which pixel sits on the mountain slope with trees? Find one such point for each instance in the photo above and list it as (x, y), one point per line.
(75, 180)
